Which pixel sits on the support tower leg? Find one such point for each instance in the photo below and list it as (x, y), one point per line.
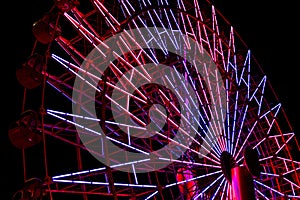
(242, 184)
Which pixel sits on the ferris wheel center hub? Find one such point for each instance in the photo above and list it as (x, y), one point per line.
(251, 161)
(241, 177)
(227, 163)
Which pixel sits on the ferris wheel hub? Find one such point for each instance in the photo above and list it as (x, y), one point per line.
(251, 161)
(227, 163)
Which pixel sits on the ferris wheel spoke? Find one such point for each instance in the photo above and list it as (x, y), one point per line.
(231, 54)
(222, 114)
(219, 109)
(146, 75)
(261, 194)
(269, 174)
(158, 33)
(186, 27)
(106, 183)
(51, 112)
(293, 184)
(109, 18)
(272, 113)
(216, 130)
(96, 132)
(218, 189)
(99, 170)
(68, 47)
(95, 78)
(270, 121)
(223, 190)
(200, 154)
(169, 26)
(217, 42)
(95, 119)
(82, 18)
(233, 130)
(229, 192)
(150, 39)
(294, 196)
(242, 79)
(259, 91)
(245, 141)
(244, 113)
(191, 163)
(239, 81)
(151, 195)
(270, 188)
(227, 132)
(168, 101)
(87, 35)
(212, 141)
(128, 9)
(127, 81)
(285, 144)
(195, 178)
(219, 143)
(115, 102)
(209, 186)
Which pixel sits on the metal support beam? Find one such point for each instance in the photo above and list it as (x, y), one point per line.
(242, 184)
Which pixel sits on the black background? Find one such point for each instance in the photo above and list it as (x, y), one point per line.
(268, 28)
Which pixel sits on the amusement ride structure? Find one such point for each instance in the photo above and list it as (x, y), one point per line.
(140, 99)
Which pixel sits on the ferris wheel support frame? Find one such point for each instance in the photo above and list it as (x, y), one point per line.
(242, 184)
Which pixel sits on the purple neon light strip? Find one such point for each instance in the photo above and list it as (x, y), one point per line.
(216, 143)
(190, 163)
(209, 186)
(147, 76)
(105, 183)
(152, 195)
(84, 32)
(261, 194)
(246, 140)
(216, 125)
(129, 113)
(218, 188)
(103, 10)
(194, 104)
(182, 100)
(194, 178)
(90, 130)
(272, 189)
(94, 119)
(98, 169)
(187, 121)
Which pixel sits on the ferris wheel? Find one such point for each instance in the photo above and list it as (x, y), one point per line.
(149, 100)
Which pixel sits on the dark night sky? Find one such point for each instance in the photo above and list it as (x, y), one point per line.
(269, 29)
